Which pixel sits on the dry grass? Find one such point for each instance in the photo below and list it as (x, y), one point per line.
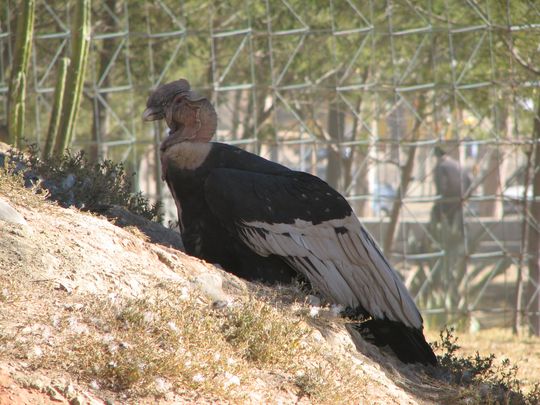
(166, 341)
(12, 185)
(331, 380)
(261, 334)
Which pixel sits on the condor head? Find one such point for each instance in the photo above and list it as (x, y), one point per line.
(190, 117)
(162, 97)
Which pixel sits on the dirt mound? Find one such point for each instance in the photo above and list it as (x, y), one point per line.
(77, 291)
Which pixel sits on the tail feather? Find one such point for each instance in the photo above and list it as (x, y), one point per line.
(409, 344)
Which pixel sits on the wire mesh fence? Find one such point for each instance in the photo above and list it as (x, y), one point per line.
(425, 115)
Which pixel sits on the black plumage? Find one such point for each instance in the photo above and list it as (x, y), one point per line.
(263, 221)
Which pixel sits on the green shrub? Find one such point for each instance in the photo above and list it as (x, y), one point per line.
(485, 380)
(72, 180)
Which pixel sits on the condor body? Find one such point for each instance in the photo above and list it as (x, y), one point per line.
(263, 221)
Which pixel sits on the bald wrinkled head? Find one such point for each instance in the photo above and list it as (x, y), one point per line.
(163, 96)
(189, 116)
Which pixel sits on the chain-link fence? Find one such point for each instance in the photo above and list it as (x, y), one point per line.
(424, 114)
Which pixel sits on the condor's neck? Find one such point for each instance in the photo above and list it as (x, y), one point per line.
(186, 155)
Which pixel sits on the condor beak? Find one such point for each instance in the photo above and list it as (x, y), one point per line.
(152, 114)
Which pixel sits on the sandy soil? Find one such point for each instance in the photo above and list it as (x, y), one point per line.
(64, 257)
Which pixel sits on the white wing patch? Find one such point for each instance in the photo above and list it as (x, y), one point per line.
(342, 260)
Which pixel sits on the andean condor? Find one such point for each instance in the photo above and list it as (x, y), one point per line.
(263, 221)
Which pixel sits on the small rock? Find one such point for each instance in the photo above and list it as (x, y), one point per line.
(172, 326)
(313, 301)
(317, 336)
(220, 304)
(162, 385)
(10, 214)
(184, 293)
(69, 181)
(211, 285)
(149, 317)
(63, 286)
(314, 311)
(69, 391)
(231, 379)
(37, 351)
(198, 378)
(54, 394)
(76, 327)
(78, 400)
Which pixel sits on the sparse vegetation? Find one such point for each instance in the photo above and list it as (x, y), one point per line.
(484, 380)
(261, 333)
(139, 346)
(72, 180)
(331, 381)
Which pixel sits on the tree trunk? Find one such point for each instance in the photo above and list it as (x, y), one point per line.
(235, 122)
(336, 124)
(495, 170)
(359, 184)
(534, 236)
(100, 118)
(406, 176)
(520, 285)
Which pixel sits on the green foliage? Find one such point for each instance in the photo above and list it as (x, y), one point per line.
(80, 45)
(19, 69)
(485, 380)
(463, 369)
(72, 180)
(17, 109)
(54, 123)
(361, 53)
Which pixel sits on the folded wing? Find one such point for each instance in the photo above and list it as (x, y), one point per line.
(301, 219)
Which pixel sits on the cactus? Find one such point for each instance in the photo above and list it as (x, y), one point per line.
(80, 44)
(17, 85)
(54, 123)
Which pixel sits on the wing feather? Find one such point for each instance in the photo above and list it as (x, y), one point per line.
(341, 259)
(301, 219)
